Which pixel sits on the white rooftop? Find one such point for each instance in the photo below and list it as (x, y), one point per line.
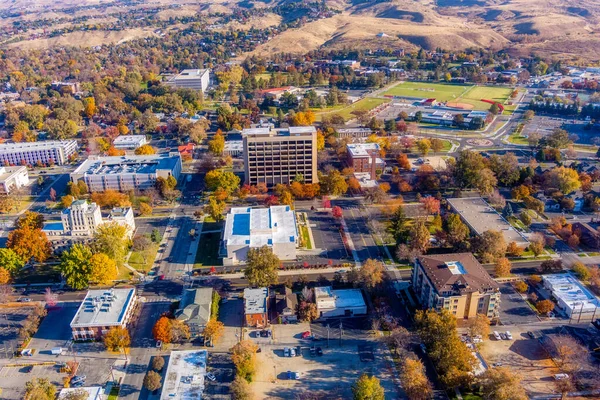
(256, 131)
(365, 181)
(298, 130)
(255, 300)
(129, 139)
(345, 298)
(189, 74)
(185, 375)
(571, 292)
(43, 145)
(257, 227)
(362, 149)
(103, 308)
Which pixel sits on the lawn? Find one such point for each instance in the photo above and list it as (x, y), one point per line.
(305, 237)
(518, 139)
(426, 90)
(367, 103)
(476, 93)
(208, 250)
(136, 259)
(124, 274)
(114, 393)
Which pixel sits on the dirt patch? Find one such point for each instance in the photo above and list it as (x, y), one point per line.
(463, 106)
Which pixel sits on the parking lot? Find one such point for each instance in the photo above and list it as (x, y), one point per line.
(54, 331)
(11, 319)
(12, 379)
(326, 235)
(514, 310)
(144, 226)
(525, 355)
(331, 373)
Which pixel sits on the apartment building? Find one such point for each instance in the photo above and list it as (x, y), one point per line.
(127, 172)
(455, 282)
(101, 310)
(277, 156)
(30, 153)
(197, 79)
(13, 178)
(129, 142)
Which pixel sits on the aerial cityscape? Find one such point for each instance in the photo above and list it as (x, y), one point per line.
(300, 200)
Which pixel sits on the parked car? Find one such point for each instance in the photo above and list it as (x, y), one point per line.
(78, 378)
(24, 300)
(158, 344)
(496, 335)
(210, 376)
(508, 335)
(305, 335)
(423, 348)
(531, 334)
(286, 351)
(561, 377)
(503, 336)
(313, 351)
(77, 384)
(161, 277)
(319, 351)
(292, 352)
(293, 375)
(28, 369)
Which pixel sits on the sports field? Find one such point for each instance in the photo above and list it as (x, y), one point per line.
(368, 103)
(471, 95)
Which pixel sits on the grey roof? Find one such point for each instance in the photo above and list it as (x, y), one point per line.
(104, 308)
(194, 307)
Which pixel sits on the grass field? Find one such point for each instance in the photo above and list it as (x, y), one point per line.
(456, 93)
(367, 103)
(136, 259)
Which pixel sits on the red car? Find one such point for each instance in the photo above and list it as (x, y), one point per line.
(161, 277)
(305, 335)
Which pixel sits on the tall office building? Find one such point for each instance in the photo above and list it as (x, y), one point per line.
(197, 79)
(277, 156)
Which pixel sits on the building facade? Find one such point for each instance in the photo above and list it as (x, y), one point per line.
(455, 282)
(572, 297)
(129, 142)
(339, 303)
(127, 172)
(124, 217)
(30, 153)
(194, 309)
(247, 228)
(278, 156)
(81, 218)
(196, 79)
(13, 178)
(364, 157)
(102, 310)
(256, 310)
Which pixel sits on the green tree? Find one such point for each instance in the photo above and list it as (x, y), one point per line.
(367, 388)
(261, 266)
(217, 178)
(582, 271)
(470, 171)
(457, 231)
(112, 240)
(217, 144)
(11, 261)
(215, 208)
(424, 145)
(76, 266)
(398, 226)
(563, 178)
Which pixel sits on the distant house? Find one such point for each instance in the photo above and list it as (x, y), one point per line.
(194, 309)
(256, 307)
(286, 304)
(187, 150)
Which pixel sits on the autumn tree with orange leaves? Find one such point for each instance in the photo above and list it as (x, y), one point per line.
(28, 241)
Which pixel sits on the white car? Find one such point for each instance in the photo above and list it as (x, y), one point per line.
(496, 335)
(508, 335)
(292, 352)
(210, 376)
(561, 377)
(286, 351)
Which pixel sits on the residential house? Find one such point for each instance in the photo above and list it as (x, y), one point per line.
(195, 308)
(286, 304)
(256, 307)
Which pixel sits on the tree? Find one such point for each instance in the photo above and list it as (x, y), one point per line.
(40, 389)
(550, 266)
(117, 339)
(111, 198)
(89, 107)
(502, 384)
(179, 331)
(214, 330)
(152, 381)
(414, 380)
(217, 144)
(558, 139)
(419, 236)
(76, 266)
(307, 312)
(502, 268)
(77, 394)
(371, 273)
(4, 276)
(333, 183)
(240, 389)
(11, 261)
(544, 306)
(537, 243)
(367, 388)
(29, 244)
(563, 178)
(582, 271)
(525, 218)
(112, 240)
(145, 209)
(243, 356)
(31, 220)
(457, 231)
(222, 179)
(479, 325)
(215, 208)
(403, 161)
(103, 269)
(423, 145)
(144, 150)
(490, 245)
(261, 266)
(158, 363)
(162, 330)
(430, 204)
(521, 287)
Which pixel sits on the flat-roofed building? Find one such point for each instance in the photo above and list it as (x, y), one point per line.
(13, 178)
(572, 297)
(256, 309)
(364, 157)
(247, 228)
(274, 156)
(197, 79)
(129, 142)
(339, 303)
(124, 173)
(185, 376)
(124, 217)
(101, 310)
(353, 132)
(30, 153)
(481, 217)
(81, 218)
(455, 282)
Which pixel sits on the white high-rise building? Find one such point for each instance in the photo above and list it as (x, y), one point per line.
(81, 219)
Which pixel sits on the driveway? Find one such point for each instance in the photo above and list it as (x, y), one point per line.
(513, 309)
